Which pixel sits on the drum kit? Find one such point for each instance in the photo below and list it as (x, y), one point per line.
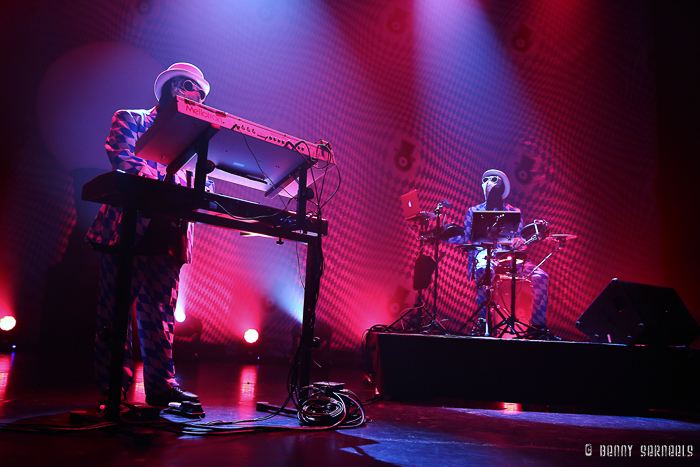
(508, 302)
(503, 282)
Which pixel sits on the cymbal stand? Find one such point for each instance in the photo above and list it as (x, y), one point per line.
(419, 305)
(435, 324)
(511, 321)
(560, 246)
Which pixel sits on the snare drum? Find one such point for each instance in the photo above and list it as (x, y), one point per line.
(538, 230)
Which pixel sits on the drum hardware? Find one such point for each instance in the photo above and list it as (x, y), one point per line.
(435, 325)
(511, 324)
(511, 321)
(523, 299)
(506, 264)
(502, 261)
(562, 237)
(560, 240)
(489, 230)
(538, 230)
(441, 234)
(483, 325)
(451, 230)
(429, 237)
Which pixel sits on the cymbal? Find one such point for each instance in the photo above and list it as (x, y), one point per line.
(562, 236)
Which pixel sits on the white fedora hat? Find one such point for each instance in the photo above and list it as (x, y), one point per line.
(181, 69)
(504, 177)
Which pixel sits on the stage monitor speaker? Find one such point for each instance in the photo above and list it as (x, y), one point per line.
(632, 313)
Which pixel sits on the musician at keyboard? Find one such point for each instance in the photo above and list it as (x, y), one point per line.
(162, 247)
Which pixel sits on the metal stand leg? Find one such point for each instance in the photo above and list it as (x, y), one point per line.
(472, 317)
(509, 322)
(311, 291)
(419, 304)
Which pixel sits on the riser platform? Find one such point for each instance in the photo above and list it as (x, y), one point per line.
(421, 367)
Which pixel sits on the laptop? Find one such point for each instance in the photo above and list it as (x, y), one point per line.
(411, 207)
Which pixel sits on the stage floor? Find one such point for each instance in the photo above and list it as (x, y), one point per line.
(34, 388)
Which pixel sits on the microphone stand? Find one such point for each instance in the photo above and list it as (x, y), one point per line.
(419, 305)
(435, 324)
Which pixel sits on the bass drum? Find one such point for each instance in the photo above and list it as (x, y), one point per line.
(523, 299)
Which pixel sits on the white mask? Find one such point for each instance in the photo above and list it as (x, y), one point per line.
(488, 183)
(187, 88)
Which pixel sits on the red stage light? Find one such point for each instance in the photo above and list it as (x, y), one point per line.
(7, 323)
(251, 336)
(509, 407)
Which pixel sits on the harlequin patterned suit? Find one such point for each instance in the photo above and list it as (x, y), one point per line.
(156, 267)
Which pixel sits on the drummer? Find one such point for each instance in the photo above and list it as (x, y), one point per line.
(496, 187)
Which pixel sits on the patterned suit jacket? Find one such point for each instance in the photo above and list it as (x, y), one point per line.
(475, 256)
(127, 127)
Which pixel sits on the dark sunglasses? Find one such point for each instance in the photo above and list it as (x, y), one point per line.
(190, 86)
(493, 178)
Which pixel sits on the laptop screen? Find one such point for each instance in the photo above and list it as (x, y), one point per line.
(409, 202)
(489, 226)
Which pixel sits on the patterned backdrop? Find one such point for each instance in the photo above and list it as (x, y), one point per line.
(412, 95)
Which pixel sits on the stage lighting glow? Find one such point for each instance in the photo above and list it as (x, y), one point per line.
(7, 323)
(180, 315)
(248, 378)
(251, 336)
(5, 367)
(509, 407)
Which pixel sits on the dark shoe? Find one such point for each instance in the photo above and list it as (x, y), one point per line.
(175, 394)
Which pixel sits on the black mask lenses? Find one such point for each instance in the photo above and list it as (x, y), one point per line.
(191, 86)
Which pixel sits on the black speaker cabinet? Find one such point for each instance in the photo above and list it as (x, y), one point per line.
(632, 313)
